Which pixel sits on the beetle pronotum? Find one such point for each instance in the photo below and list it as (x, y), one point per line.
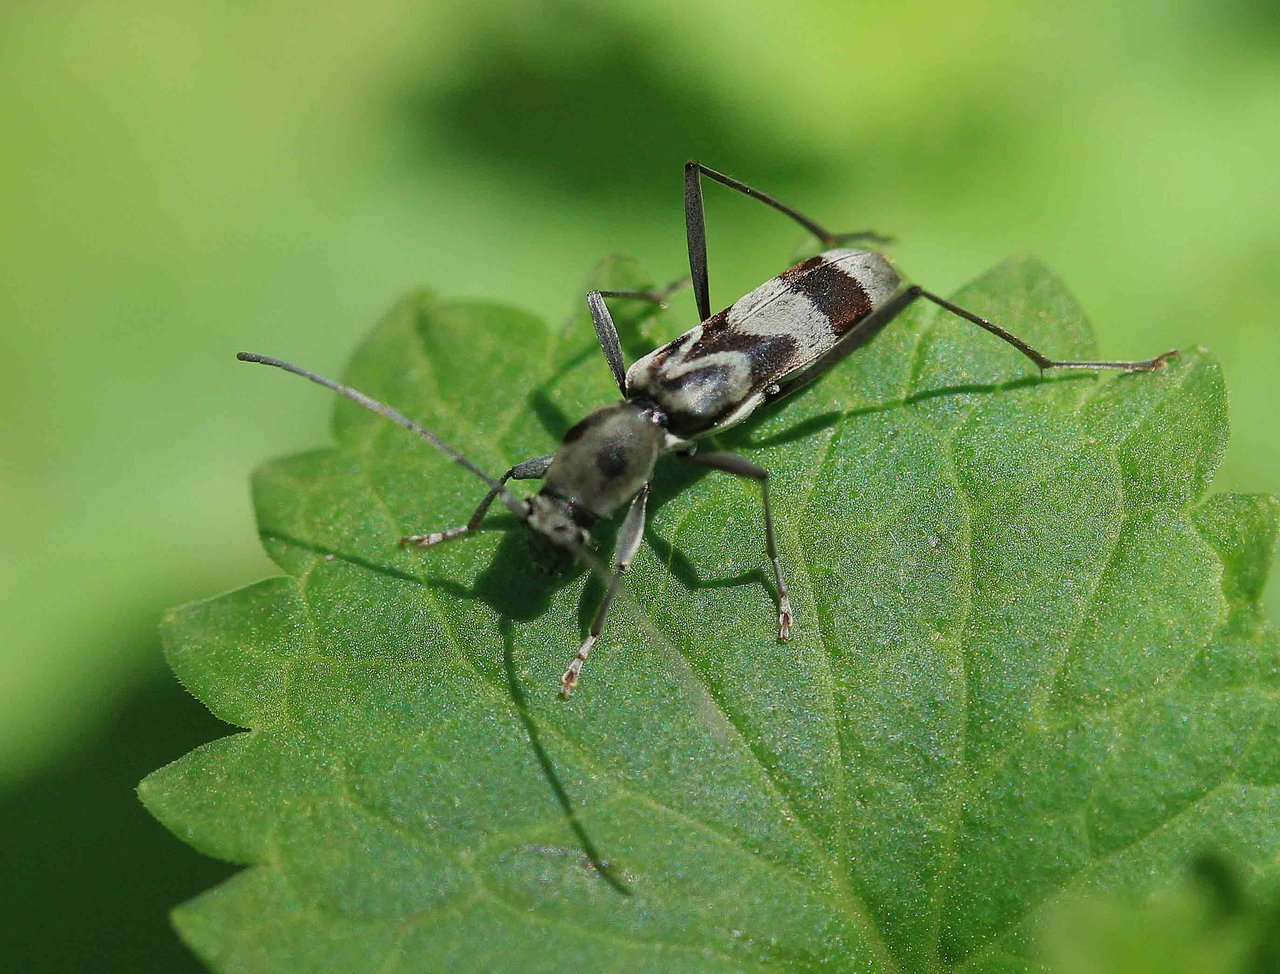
(766, 345)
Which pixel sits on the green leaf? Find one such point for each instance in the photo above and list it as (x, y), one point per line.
(1028, 665)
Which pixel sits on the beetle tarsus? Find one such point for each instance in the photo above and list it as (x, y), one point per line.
(1159, 362)
(785, 620)
(570, 678)
(434, 538)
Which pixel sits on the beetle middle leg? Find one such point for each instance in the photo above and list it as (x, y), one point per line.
(695, 223)
(607, 331)
(534, 468)
(742, 467)
(629, 537)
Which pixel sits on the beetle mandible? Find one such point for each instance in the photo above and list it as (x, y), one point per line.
(763, 347)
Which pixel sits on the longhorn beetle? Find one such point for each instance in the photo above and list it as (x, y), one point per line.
(763, 347)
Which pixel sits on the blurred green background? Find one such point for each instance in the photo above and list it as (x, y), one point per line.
(183, 179)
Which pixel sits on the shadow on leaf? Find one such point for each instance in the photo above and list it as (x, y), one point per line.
(521, 701)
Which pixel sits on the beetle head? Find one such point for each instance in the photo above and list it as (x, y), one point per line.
(556, 532)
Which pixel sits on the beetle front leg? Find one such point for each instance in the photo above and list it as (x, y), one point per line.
(629, 537)
(532, 469)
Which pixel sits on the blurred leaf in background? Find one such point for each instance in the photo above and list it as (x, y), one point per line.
(86, 881)
(183, 179)
(1209, 922)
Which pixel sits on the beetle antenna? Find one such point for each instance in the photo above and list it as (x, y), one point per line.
(514, 503)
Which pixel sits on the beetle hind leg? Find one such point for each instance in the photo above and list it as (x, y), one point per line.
(1035, 355)
(629, 537)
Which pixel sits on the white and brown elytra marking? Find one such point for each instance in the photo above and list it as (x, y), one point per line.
(766, 345)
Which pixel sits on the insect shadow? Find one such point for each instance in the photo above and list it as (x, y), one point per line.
(668, 482)
(673, 479)
(534, 734)
(815, 424)
(332, 554)
(519, 596)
